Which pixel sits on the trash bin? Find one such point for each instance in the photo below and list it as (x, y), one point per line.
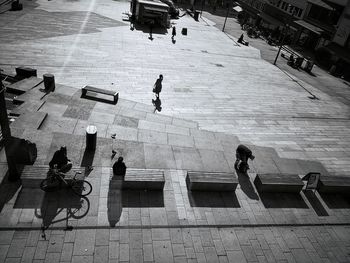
(309, 65)
(49, 82)
(91, 137)
(196, 15)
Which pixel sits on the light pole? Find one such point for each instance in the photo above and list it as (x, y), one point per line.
(281, 44)
(6, 134)
(228, 9)
(284, 36)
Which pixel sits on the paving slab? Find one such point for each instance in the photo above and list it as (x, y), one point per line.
(24, 84)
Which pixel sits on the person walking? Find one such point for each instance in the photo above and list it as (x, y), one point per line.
(243, 153)
(158, 86)
(173, 32)
(240, 40)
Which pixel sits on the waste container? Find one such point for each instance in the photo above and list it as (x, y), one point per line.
(91, 137)
(309, 65)
(196, 15)
(49, 82)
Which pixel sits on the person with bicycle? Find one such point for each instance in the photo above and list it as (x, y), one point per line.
(60, 161)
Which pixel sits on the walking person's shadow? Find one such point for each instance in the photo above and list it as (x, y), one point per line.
(114, 201)
(246, 185)
(157, 103)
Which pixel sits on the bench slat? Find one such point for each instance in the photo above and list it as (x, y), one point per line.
(102, 91)
(98, 90)
(334, 184)
(211, 181)
(143, 179)
(290, 183)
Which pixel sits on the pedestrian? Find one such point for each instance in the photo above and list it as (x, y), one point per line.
(158, 86)
(60, 161)
(174, 32)
(243, 153)
(119, 167)
(240, 40)
(151, 24)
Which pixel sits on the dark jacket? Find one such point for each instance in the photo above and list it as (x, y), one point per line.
(119, 168)
(243, 150)
(58, 158)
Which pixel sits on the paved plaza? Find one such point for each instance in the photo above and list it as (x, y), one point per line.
(216, 95)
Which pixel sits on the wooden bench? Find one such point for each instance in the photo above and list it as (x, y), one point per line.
(145, 179)
(211, 181)
(334, 185)
(282, 183)
(102, 91)
(32, 175)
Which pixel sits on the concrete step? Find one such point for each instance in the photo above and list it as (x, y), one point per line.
(30, 120)
(24, 85)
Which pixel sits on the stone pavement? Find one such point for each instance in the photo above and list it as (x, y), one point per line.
(216, 94)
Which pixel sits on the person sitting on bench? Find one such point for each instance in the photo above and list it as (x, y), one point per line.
(60, 161)
(242, 155)
(119, 167)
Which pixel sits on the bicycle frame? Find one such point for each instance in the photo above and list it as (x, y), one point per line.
(60, 177)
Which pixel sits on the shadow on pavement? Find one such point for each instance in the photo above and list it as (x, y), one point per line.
(282, 200)
(336, 201)
(213, 199)
(142, 198)
(8, 190)
(114, 201)
(88, 158)
(246, 185)
(146, 29)
(315, 203)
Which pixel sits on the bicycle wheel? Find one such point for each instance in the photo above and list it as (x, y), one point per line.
(50, 184)
(82, 187)
(81, 209)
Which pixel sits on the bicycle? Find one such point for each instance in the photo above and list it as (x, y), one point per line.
(55, 179)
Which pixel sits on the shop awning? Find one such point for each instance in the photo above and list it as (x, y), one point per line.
(309, 26)
(238, 9)
(271, 20)
(321, 4)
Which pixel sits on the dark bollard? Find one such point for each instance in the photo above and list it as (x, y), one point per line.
(49, 82)
(91, 137)
(196, 15)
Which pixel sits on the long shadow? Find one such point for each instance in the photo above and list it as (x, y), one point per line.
(213, 199)
(142, 198)
(282, 200)
(87, 161)
(8, 190)
(315, 203)
(58, 207)
(114, 201)
(336, 201)
(146, 29)
(246, 185)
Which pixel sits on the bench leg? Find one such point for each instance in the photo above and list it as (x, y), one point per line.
(116, 98)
